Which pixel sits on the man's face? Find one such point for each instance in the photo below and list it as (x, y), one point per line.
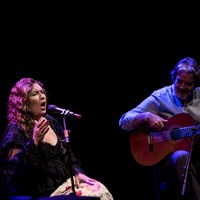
(184, 85)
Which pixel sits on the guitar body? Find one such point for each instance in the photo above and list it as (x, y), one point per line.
(149, 153)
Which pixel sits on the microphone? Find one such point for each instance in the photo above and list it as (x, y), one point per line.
(62, 111)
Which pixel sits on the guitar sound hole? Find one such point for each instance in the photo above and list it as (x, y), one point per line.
(175, 134)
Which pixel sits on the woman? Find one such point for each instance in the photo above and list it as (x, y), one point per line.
(34, 144)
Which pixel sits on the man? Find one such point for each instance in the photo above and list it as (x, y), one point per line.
(162, 108)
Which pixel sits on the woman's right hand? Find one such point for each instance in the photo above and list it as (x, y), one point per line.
(41, 127)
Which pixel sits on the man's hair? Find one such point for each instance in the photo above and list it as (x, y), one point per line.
(189, 65)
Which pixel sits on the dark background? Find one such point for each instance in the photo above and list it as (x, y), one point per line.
(99, 62)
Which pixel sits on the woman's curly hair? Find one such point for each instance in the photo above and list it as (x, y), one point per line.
(18, 105)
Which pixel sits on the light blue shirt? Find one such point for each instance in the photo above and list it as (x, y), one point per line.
(164, 103)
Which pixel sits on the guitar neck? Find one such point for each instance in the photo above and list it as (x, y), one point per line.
(178, 133)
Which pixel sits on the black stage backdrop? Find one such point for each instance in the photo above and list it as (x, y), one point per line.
(100, 69)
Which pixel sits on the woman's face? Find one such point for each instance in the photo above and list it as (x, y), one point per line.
(37, 101)
(184, 85)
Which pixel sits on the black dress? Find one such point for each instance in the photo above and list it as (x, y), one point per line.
(37, 170)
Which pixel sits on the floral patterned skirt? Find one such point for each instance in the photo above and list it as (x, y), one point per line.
(96, 190)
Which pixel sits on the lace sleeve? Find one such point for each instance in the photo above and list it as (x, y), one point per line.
(13, 137)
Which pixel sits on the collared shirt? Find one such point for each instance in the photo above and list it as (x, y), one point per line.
(164, 103)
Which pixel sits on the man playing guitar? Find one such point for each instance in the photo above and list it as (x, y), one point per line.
(164, 125)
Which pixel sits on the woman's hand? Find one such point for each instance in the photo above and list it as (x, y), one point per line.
(40, 129)
(83, 178)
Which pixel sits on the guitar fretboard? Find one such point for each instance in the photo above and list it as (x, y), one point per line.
(175, 134)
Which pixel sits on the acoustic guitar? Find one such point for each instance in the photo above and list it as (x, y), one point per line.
(148, 148)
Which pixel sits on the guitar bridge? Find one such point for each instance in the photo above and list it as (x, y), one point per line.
(150, 141)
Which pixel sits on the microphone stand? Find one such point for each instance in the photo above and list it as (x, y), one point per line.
(187, 165)
(66, 135)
